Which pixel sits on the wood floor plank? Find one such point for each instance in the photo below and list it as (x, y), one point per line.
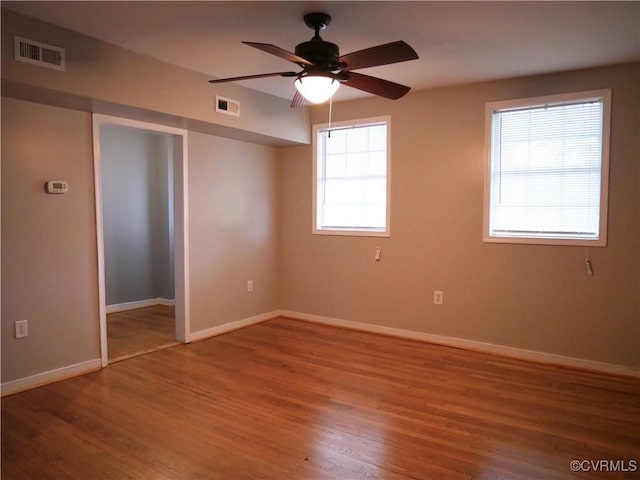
(287, 399)
(140, 331)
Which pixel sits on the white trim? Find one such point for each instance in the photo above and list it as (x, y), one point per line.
(97, 182)
(181, 244)
(166, 302)
(181, 231)
(39, 61)
(603, 95)
(352, 232)
(233, 106)
(64, 373)
(231, 326)
(51, 376)
(518, 353)
(127, 122)
(123, 307)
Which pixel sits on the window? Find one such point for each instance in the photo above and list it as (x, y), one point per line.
(547, 168)
(351, 177)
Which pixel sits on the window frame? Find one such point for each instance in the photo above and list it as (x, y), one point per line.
(603, 95)
(355, 232)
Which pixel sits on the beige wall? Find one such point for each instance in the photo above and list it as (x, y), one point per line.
(49, 247)
(49, 266)
(524, 296)
(250, 217)
(232, 230)
(49, 257)
(104, 78)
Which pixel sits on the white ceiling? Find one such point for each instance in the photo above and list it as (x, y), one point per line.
(458, 42)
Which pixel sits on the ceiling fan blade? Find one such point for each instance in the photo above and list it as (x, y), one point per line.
(280, 52)
(393, 52)
(299, 101)
(251, 77)
(377, 86)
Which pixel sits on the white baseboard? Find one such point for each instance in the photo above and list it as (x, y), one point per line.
(63, 373)
(518, 353)
(123, 307)
(231, 326)
(44, 378)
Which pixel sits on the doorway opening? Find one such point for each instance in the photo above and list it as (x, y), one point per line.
(141, 215)
(140, 330)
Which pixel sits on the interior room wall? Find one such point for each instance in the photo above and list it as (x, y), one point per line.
(137, 214)
(529, 297)
(162, 92)
(49, 252)
(67, 304)
(49, 267)
(250, 214)
(233, 217)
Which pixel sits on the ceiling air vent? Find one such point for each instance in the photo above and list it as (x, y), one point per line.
(38, 53)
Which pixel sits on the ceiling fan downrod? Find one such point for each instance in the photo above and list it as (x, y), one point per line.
(321, 53)
(317, 21)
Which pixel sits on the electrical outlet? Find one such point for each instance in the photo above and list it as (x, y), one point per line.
(249, 286)
(21, 329)
(438, 297)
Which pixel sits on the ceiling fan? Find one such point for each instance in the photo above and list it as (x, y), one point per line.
(324, 69)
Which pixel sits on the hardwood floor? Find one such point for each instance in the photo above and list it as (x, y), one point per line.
(139, 331)
(287, 399)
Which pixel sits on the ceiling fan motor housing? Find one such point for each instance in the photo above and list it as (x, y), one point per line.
(320, 53)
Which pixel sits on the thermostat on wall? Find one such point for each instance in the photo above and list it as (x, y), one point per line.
(57, 186)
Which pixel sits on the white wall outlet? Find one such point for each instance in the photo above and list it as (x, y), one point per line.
(249, 286)
(438, 297)
(21, 329)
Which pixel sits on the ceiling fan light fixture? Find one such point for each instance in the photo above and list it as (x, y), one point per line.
(316, 88)
(324, 69)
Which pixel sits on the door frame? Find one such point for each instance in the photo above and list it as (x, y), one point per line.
(181, 231)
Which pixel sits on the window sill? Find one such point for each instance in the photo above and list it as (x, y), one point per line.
(352, 232)
(572, 242)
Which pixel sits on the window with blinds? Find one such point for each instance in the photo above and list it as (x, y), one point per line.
(547, 169)
(352, 177)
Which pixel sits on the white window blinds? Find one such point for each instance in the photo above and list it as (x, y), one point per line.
(546, 170)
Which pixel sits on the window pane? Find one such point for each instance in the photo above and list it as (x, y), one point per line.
(378, 138)
(357, 140)
(546, 171)
(357, 164)
(337, 143)
(336, 165)
(378, 162)
(352, 178)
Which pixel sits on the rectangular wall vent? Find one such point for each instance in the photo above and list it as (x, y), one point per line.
(227, 106)
(38, 53)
